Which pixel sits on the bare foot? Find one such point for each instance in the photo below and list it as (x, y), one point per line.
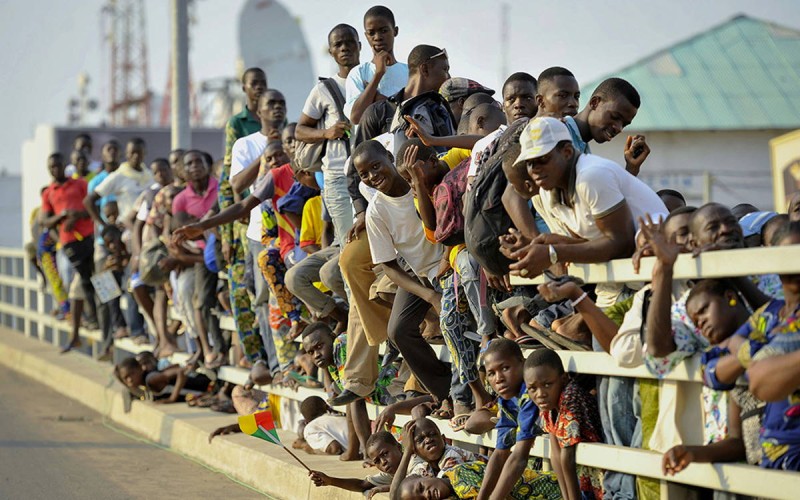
(74, 344)
(350, 456)
(167, 350)
(121, 333)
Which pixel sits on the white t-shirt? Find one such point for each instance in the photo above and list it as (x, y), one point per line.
(393, 80)
(126, 184)
(322, 431)
(479, 148)
(394, 229)
(321, 106)
(601, 186)
(245, 150)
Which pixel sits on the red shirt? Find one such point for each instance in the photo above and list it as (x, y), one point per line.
(68, 196)
(283, 178)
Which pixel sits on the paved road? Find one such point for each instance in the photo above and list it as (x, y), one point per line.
(53, 447)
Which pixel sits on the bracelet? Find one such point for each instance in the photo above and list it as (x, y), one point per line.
(577, 301)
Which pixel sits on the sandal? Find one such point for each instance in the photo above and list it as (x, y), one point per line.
(459, 422)
(444, 412)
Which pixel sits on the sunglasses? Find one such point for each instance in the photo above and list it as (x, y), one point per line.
(438, 54)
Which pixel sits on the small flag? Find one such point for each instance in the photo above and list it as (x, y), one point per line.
(261, 425)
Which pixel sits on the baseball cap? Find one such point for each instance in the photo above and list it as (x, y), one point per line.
(540, 136)
(754, 221)
(456, 88)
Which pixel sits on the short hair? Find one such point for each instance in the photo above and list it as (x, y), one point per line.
(419, 55)
(84, 136)
(380, 11)
(313, 407)
(521, 76)
(777, 221)
(206, 157)
(544, 357)
(317, 326)
(177, 151)
(702, 208)
(111, 231)
(552, 73)
(424, 153)
(368, 147)
(743, 209)
(161, 161)
(56, 157)
(509, 161)
(504, 347)
(679, 211)
(254, 69)
(127, 364)
(342, 27)
(384, 437)
(112, 142)
(788, 229)
(671, 192)
(613, 88)
(715, 287)
(136, 141)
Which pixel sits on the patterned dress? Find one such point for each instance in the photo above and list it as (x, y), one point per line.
(466, 480)
(577, 420)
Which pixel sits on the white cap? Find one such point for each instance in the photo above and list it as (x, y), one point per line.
(540, 136)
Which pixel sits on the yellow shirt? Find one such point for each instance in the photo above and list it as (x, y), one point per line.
(311, 226)
(455, 156)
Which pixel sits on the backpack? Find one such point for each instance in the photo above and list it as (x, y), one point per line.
(426, 106)
(485, 217)
(449, 206)
(309, 155)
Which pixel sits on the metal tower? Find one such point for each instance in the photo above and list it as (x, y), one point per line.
(129, 91)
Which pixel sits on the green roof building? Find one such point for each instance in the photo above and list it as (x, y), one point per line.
(711, 104)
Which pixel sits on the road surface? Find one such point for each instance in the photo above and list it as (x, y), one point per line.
(53, 447)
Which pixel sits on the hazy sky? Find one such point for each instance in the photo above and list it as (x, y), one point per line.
(47, 43)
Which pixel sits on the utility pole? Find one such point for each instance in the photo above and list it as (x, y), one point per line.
(181, 134)
(708, 179)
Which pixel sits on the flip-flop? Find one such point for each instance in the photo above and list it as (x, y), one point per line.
(459, 422)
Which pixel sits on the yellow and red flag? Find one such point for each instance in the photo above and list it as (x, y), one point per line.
(261, 425)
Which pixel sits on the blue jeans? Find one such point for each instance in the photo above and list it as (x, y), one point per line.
(617, 399)
(339, 206)
(470, 279)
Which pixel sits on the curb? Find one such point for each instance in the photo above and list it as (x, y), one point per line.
(265, 467)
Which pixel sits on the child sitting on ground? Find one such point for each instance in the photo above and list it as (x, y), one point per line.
(570, 415)
(321, 432)
(384, 452)
(426, 454)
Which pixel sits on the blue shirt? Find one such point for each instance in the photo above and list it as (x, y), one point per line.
(393, 80)
(96, 180)
(577, 140)
(517, 422)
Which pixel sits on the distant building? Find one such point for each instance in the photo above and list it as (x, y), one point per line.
(712, 103)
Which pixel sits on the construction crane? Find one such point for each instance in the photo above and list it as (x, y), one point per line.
(126, 35)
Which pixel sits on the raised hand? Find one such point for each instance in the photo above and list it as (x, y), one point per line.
(414, 129)
(184, 233)
(665, 251)
(636, 152)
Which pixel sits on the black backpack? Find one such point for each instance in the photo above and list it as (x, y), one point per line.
(485, 217)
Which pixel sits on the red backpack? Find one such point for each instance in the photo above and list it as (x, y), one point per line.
(449, 208)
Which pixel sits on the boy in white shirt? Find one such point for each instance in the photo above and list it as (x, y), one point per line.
(394, 230)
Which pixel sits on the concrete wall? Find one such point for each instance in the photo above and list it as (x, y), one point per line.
(739, 162)
(48, 139)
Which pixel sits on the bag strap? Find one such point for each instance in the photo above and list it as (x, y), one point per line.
(338, 99)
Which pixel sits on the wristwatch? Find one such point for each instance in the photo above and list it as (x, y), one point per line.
(553, 254)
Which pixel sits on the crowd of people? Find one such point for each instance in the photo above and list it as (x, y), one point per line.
(391, 214)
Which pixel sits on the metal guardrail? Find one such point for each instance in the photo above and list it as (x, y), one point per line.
(24, 307)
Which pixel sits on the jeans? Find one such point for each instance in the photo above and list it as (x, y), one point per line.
(339, 206)
(261, 306)
(470, 279)
(300, 281)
